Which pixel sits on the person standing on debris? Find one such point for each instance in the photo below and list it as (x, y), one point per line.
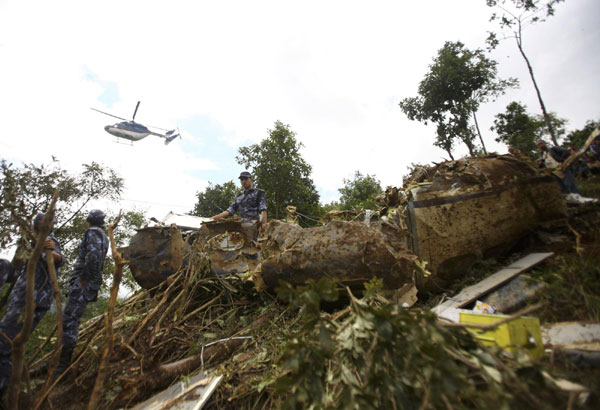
(552, 157)
(43, 297)
(84, 283)
(250, 205)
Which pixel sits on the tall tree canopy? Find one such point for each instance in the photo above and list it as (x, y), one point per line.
(578, 137)
(512, 17)
(517, 129)
(215, 198)
(27, 190)
(458, 82)
(279, 169)
(360, 192)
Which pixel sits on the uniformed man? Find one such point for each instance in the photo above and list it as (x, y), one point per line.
(552, 157)
(43, 297)
(84, 283)
(250, 205)
(7, 272)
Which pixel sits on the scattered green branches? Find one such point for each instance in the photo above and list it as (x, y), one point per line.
(382, 356)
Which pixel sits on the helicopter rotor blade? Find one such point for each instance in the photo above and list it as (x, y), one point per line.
(105, 113)
(135, 112)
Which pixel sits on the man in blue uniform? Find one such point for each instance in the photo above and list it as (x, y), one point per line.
(7, 272)
(250, 205)
(84, 283)
(43, 297)
(552, 157)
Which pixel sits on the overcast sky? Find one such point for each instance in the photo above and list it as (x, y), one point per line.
(225, 71)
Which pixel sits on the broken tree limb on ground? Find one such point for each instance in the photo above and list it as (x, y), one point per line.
(18, 343)
(109, 337)
(163, 375)
(569, 161)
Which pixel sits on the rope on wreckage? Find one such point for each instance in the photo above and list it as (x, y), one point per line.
(306, 216)
(220, 341)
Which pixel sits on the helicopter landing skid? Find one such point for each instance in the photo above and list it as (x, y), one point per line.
(118, 141)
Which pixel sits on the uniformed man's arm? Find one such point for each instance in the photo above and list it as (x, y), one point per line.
(262, 209)
(222, 215)
(229, 211)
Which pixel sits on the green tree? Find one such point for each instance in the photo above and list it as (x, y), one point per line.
(517, 129)
(215, 199)
(360, 192)
(279, 169)
(458, 82)
(578, 137)
(513, 16)
(27, 190)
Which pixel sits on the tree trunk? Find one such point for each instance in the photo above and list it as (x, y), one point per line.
(537, 90)
(163, 375)
(59, 326)
(108, 339)
(469, 145)
(479, 132)
(18, 344)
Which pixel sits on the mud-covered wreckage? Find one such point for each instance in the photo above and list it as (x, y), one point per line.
(443, 219)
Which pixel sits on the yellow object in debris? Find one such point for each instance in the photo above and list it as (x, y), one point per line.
(522, 333)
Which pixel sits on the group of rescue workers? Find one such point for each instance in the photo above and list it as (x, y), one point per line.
(86, 277)
(585, 165)
(84, 283)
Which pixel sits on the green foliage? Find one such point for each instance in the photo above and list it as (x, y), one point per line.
(573, 287)
(383, 356)
(215, 199)
(28, 189)
(517, 129)
(332, 206)
(590, 187)
(458, 81)
(578, 137)
(512, 16)
(279, 169)
(360, 192)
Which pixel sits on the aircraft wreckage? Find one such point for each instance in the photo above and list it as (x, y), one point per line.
(427, 233)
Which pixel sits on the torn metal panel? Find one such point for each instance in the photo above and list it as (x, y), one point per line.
(154, 254)
(350, 252)
(191, 394)
(184, 221)
(230, 246)
(475, 206)
(230, 253)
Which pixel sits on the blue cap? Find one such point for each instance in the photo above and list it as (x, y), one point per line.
(96, 217)
(245, 174)
(38, 218)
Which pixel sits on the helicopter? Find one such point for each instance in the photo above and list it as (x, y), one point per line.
(134, 131)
